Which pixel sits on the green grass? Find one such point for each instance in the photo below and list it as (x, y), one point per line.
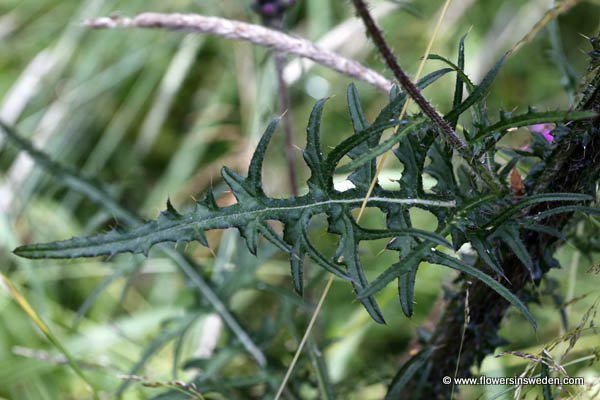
(155, 115)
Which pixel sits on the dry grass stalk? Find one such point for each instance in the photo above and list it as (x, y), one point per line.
(256, 34)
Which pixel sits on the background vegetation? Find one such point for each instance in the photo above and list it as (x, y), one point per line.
(155, 115)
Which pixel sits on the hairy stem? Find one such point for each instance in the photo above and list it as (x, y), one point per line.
(403, 79)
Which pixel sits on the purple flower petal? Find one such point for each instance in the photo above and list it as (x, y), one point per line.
(268, 9)
(544, 129)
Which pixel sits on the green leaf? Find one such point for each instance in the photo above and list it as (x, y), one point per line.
(355, 142)
(486, 251)
(313, 155)
(396, 270)
(255, 169)
(534, 199)
(451, 262)
(460, 79)
(406, 374)
(250, 233)
(509, 234)
(441, 169)
(478, 94)
(243, 192)
(412, 154)
(348, 249)
(378, 150)
(359, 121)
(362, 177)
(375, 234)
(532, 118)
(392, 110)
(297, 268)
(566, 209)
(322, 261)
(406, 286)
(461, 75)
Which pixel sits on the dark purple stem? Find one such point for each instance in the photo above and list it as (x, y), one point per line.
(403, 79)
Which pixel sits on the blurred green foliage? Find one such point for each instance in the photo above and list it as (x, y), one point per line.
(155, 114)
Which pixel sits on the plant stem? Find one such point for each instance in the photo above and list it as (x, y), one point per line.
(256, 34)
(305, 337)
(403, 79)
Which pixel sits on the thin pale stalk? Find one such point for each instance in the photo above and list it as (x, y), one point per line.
(305, 337)
(256, 34)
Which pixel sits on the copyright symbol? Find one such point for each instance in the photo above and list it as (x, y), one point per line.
(446, 380)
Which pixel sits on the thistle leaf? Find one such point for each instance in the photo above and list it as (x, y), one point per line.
(313, 155)
(509, 234)
(478, 94)
(297, 268)
(534, 199)
(444, 259)
(406, 373)
(486, 252)
(477, 208)
(348, 250)
(374, 152)
(532, 118)
(359, 121)
(254, 180)
(406, 287)
(461, 79)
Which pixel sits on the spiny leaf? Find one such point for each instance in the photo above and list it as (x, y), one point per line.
(509, 234)
(532, 118)
(534, 199)
(478, 94)
(362, 177)
(322, 261)
(394, 271)
(460, 80)
(392, 110)
(412, 154)
(457, 68)
(441, 168)
(354, 148)
(486, 252)
(348, 249)
(253, 210)
(444, 259)
(406, 287)
(255, 169)
(297, 268)
(566, 209)
(250, 233)
(240, 188)
(313, 155)
(406, 373)
(94, 190)
(359, 121)
(375, 234)
(378, 150)
(355, 142)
